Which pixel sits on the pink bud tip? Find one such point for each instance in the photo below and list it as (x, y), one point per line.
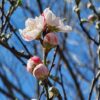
(32, 62)
(41, 72)
(36, 60)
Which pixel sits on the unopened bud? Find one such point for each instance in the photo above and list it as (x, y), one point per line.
(98, 51)
(53, 92)
(97, 25)
(92, 18)
(41, 82)
(89, 5)
(50, 41)
(41, 72)
(76, 9)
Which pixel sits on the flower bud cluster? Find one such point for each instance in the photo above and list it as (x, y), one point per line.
(37, 68)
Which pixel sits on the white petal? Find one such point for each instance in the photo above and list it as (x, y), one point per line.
(64, 28)
(33, 28)
(50, 17)
(25, 36)
(46, 10)
(40, 22)
(30, 22)
(29, 35)
(52, 20)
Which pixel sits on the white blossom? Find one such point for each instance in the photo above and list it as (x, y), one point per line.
(33, 28)
(56, 22)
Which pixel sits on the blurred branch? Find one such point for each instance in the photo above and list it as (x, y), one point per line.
(7, 82)
(62, 83)
(54, 56)
(93, 84)
(83, 28)
(13, 50)
(28, 9)
(40, 6)
(10, 12)
(94, 9)
(41, 94)
(14, 31)
(71, 72)
(19, 39)
(7, 94)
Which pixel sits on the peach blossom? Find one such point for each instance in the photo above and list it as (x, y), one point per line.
(33, 28)
(55, 22)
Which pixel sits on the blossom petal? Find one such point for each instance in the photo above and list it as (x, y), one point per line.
(40, 22)
(33, 28)
(64, 28)
(56, 22)
(29, 35)
(30, 22)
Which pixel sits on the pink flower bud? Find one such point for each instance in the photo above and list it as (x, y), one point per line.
(32, 62)
(41, 72)
(50, 41)
(92, 18)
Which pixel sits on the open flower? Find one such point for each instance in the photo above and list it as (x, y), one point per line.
(41, 72)
(32, 62)
(33, 29)
(55, 24)
(50, 40)
(48, 20)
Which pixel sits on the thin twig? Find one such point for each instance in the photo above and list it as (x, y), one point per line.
(45, 83)
(71, 72)
(94, 9)
(41, 94)
(55, 53)
(65, 97)
(93, 84)
(84, 30)
(14, 51)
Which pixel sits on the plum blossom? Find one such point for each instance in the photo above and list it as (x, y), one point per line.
(32, 62)
(41, 72)
(33, 28)
(55, 23)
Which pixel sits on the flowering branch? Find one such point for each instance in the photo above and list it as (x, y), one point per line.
(52, 65)
(82, 26)
(96, 78)
(45, 83)
(42, 28)
(94, 9)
